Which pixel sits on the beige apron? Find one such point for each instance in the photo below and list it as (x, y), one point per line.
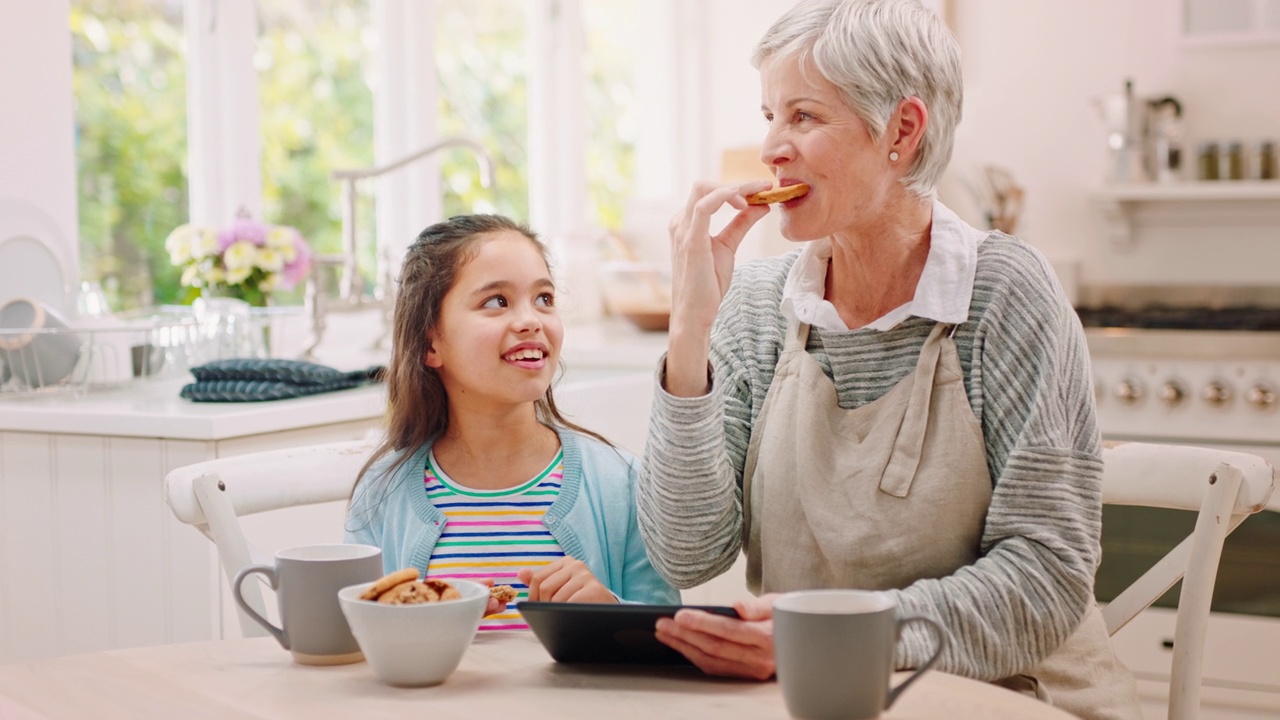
(892, 492)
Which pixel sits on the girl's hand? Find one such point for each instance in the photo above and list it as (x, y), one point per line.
(495, 606)
(565, 580)
(722, 645)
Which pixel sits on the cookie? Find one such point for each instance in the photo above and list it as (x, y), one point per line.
(777, 195)
(443, 590)
(386, 582)
(411, 592)
(503, 593)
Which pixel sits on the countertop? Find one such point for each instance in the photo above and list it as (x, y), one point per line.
(154, 409)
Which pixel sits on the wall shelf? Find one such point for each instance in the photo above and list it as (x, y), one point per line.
(1119, 202)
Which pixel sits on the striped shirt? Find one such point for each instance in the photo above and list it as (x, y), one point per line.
(494, 533)
(1026, 372)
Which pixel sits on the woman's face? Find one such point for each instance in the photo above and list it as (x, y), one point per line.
(815, 138)
(497, 342)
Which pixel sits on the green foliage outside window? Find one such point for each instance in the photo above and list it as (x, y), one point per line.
(315, 75)
(131, 139)
(314, 63)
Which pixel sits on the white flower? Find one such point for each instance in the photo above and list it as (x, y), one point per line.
(239, 256)
(215, 275)
(280, 237)
(269, 259)
(235, 276)
(269, 283)
(204, 244)
(179, 244)
(189, 276)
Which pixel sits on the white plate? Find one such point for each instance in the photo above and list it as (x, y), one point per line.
(30, 256)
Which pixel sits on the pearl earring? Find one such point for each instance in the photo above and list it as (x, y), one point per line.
(893, 156)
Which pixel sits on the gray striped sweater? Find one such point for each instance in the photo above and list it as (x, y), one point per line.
(1027, 376)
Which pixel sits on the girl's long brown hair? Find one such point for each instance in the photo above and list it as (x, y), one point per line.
(417, 405)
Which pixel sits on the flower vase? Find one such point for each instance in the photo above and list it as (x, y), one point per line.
(229, 328)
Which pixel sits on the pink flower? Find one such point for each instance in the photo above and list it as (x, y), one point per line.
(242, 228)
(297, 270)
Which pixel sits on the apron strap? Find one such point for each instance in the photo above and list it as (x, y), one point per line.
(909, 444)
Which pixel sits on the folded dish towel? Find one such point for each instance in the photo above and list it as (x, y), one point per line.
(254, 380)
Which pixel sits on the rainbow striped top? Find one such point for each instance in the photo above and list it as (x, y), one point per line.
(494, 533)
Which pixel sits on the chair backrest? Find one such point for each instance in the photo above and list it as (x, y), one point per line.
(213, 495)
(1224, 488)
(616, 406)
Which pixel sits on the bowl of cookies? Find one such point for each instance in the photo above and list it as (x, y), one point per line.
(412, 631)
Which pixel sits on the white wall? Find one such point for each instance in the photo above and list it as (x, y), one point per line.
(1030, 71)
(37, 158)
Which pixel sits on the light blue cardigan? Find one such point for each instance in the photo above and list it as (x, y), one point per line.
(593, 519)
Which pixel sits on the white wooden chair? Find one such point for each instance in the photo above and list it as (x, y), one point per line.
(213, 495)
(1224, 488)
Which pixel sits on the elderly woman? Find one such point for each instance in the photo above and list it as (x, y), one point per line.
(903, 403)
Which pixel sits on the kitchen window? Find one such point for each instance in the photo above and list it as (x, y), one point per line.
(193, 110)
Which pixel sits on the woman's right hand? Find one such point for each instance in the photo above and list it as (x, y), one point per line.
(729, 647)
(701, 270)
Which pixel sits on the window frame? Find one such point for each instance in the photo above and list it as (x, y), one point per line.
(224, 146)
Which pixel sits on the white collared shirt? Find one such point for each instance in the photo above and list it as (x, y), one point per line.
(943, 293)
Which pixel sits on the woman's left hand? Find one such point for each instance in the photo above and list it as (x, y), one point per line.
(725, 646)
(565, 580)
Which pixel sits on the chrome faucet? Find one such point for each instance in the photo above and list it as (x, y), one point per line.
(351, 286)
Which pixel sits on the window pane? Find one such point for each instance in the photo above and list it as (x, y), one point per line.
(611, 113)
(315, 62)
(483, 66)
(131, 144)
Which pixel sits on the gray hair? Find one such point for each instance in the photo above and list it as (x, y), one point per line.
(878, 52)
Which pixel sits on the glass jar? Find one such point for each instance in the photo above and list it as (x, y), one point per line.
(1207, 161)
(1232, 162)
(1266, 160)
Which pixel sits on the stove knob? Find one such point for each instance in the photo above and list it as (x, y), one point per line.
(1128, 390)
(1261, 396)
(1171, 393)
(1216, 393)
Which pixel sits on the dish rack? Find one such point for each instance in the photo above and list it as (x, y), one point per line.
(158, 343)
(95, 354)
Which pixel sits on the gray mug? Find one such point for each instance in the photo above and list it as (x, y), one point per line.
(42, 352)
(834, 652)
(307, 580)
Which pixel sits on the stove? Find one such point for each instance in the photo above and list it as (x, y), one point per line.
(1204, 370)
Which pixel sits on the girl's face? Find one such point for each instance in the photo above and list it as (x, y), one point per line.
(497, 342)
(816, 138)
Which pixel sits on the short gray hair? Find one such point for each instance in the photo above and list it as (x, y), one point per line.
(878, 52)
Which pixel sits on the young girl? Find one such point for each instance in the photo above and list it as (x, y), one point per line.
(479, 476)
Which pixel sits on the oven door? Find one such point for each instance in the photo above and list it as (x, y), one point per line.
(1242, 647)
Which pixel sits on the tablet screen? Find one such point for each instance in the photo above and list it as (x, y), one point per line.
(606, 632)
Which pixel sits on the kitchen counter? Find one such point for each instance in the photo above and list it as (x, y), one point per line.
(153, 409)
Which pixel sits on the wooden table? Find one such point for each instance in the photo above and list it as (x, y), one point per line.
(503, 675)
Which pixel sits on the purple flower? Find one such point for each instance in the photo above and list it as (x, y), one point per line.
(297, 270)
(242, 228)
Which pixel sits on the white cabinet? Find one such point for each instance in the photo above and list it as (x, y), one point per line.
(91, 558)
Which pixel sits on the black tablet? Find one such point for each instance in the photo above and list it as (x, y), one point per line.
(610, 633)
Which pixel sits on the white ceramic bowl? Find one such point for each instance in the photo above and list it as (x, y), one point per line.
(414, 645)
